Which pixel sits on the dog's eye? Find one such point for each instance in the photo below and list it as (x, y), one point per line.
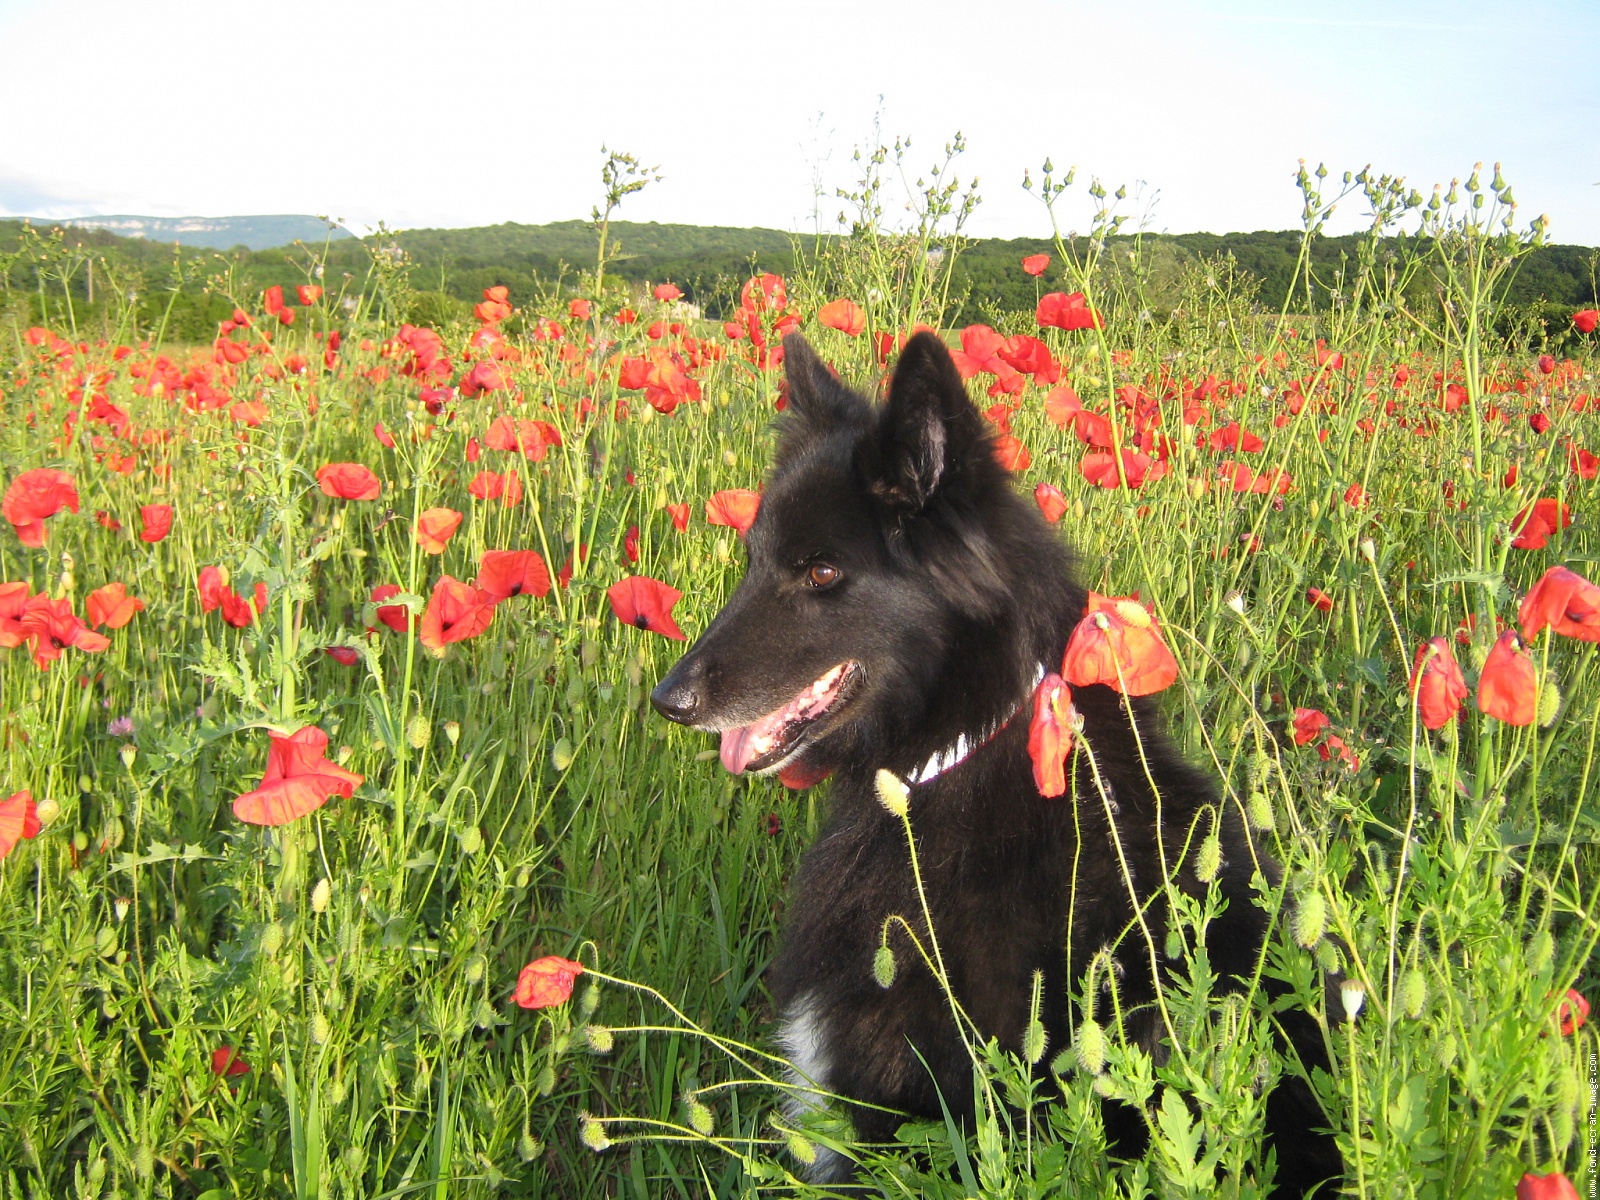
(823, 575)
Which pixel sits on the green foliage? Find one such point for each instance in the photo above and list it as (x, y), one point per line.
(521, 799)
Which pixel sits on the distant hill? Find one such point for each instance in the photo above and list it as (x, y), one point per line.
(215, 233)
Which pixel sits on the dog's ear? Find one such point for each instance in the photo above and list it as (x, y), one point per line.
(818, 402)
(929, 428)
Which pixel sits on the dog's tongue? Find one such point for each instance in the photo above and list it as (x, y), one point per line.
(736, 749)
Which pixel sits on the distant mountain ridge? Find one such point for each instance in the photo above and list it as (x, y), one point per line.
(217, 233)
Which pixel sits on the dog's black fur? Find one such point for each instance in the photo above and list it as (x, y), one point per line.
(950, 592)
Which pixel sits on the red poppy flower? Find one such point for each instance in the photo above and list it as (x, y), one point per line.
(157, 521)
(680, 516)
(308, 293)
(1585, 319)
(286, 315)
(13, 604)
(1050, 734)
(1118, 643)
(1584, 464)
(844, 315)
(667, 292)
(1011, 453)
(1355, 496)
(1050, 501)
(395, 616)
(242, 613)
(298, 780)
(1099, 467)
(107, 520)
(346, 655)
(1508, 688)
(1554, 1186)
(435, 526)
(1308, 724)
(50, 626)
(546, 982)
(228, 1062)
(1535, 523)
(111, 606)
(1319, 599)
(34, 497)
(1057, 310)
(1437, 684)
(1332, 745)
(1572, 1012)
(349, 481)
(1566, 602)
(456, 611)
(1035, 264)
(503, 574)
(630, 544)
(735, 508)
(19, 819)
(1062, 405)
(272, 300)
(646, 603)
(211, 584)
(580, 309)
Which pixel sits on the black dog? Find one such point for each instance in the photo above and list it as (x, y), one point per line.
(900, 605)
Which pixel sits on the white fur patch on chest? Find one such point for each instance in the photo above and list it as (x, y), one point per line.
(802, 1037)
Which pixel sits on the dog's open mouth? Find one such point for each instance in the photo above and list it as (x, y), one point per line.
(768, 741)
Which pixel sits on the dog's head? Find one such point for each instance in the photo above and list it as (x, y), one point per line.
(887, 565)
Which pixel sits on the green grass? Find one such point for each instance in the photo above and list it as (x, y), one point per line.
(520, 799)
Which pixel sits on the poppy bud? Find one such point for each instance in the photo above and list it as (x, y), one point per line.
(1549, 702)
(561, 754)
(471, 840)
(883, 966)
(1034, 1041)
(1413, 992)
(1310, 919)
(1209, 859)
(528, 1146)
(271, 939)
(592, 1134)
(892, 793)
(1540, 951)
(700, 1119)
(321, 1029)
(418, 730)
(320, 895)
(1089, 1047)
(600, 1038)
(800, 1146)
(1259, 809)
(46, 811)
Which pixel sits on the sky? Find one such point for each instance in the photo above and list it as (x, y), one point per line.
(475, 113)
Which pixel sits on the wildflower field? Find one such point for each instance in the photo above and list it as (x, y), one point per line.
(341, 853)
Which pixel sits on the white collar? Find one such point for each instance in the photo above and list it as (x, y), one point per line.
(958, 751)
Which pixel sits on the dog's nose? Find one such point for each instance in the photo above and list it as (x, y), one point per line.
(676, 698)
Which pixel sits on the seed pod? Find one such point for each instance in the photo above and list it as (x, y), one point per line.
(452, 730)
(883, 966)
(1089, 1047)
(1310, 918)
(1352, 995)
(1209, 860)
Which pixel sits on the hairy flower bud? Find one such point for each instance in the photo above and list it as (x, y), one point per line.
(1209, 859)
(883, 966)
(1310, 918)
(1089, 1047)
(892, 793)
